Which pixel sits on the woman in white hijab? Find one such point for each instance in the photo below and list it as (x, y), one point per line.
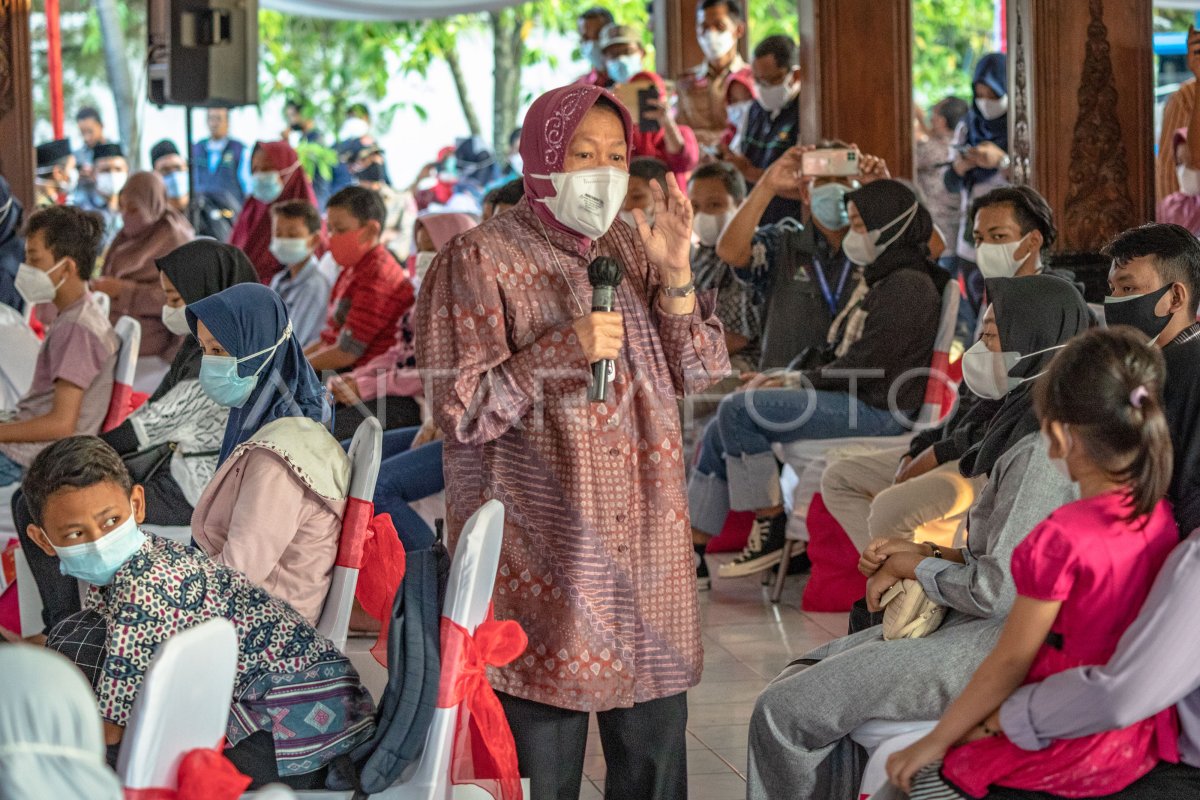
(51, 742)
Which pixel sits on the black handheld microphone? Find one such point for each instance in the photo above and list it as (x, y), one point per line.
(604, 274)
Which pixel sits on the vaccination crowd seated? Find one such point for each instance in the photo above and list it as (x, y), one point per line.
(776, 304)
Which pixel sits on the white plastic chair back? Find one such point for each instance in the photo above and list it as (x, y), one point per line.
(21, 348)
(468, 595)
(28, 600)
(129, 331)
(366, 449)
(881, 738)
(938, 387)
(102, 302)
(183, 705)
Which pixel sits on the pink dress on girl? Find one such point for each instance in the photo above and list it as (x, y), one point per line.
(1101, 568)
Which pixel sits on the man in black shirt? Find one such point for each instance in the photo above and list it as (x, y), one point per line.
(773, 124)
(1155, 282)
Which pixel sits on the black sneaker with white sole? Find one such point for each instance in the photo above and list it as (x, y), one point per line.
(764, 548)
(703, 580)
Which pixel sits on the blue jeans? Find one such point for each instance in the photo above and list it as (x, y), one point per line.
(737, 468)
(10, 471)
(405, 476)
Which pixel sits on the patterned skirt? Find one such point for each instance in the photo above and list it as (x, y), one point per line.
(313, 716)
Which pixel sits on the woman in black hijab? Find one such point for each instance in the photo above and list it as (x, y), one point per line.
(1035, 315)
(12, 246)
(869, 382)
(171, 443)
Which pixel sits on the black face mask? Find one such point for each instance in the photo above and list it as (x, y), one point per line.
(298, 127)
(1137, 312)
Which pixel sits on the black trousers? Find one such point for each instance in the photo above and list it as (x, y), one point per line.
(393, 412)
(1164, 782)
(645, 748)
(165, 505)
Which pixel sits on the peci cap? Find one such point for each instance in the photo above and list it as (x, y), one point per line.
(107, 150)
(614, 34)
(50, 153)
(164, 148)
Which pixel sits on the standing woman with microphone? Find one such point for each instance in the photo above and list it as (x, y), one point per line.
(597, 564)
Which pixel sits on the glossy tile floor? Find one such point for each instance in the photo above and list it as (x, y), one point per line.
(747, 641)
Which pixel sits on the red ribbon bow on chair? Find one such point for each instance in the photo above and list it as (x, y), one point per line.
(203, 775)
(383, 564)
(481, 720)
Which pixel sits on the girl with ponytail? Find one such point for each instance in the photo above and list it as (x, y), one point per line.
(1081, 577)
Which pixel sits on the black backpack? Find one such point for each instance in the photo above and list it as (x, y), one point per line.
(406, 709)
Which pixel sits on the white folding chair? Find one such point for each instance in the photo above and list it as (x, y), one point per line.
(29, 602)
(807, 458)
(102, 302)
(183, 705)
(21, 348)
(881, 738)
(468, 595)
(366, 449)
(129, 331)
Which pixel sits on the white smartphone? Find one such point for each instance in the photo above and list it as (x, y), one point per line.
(838, 162)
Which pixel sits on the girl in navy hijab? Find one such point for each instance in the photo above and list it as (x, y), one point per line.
(980, 158)
(274, 509)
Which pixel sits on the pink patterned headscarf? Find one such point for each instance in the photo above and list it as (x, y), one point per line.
(548, 129)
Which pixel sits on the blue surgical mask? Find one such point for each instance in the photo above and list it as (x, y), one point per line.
(97, 562)
(829, 206)
(591, 53)
(176, 183)
(219, 378)
(266, 186)
(624, 68)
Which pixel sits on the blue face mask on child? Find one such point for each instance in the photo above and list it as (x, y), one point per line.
(97, 562)
(220, 380)
(266, 186)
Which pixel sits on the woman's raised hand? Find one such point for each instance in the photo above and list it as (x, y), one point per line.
(669, 243)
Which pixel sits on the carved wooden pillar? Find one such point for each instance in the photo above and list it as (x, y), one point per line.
(1083, 115)
(16, 100)
(675, 42)
(857, 61)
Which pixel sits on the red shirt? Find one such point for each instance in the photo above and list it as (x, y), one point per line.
(367, 301)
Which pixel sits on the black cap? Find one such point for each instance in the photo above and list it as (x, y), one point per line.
(164, 148)
(50, 153)
(107, 150)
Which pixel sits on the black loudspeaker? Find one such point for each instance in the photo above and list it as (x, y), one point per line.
(202, 52)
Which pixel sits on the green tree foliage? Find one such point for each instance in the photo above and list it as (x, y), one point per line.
(769, 18)
(949, 37)
(331, 63)
(85, 74)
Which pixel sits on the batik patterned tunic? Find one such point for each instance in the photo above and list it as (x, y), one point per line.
(291, 681)
(597, 563)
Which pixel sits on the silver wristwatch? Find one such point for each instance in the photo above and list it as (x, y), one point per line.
(680, 291)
